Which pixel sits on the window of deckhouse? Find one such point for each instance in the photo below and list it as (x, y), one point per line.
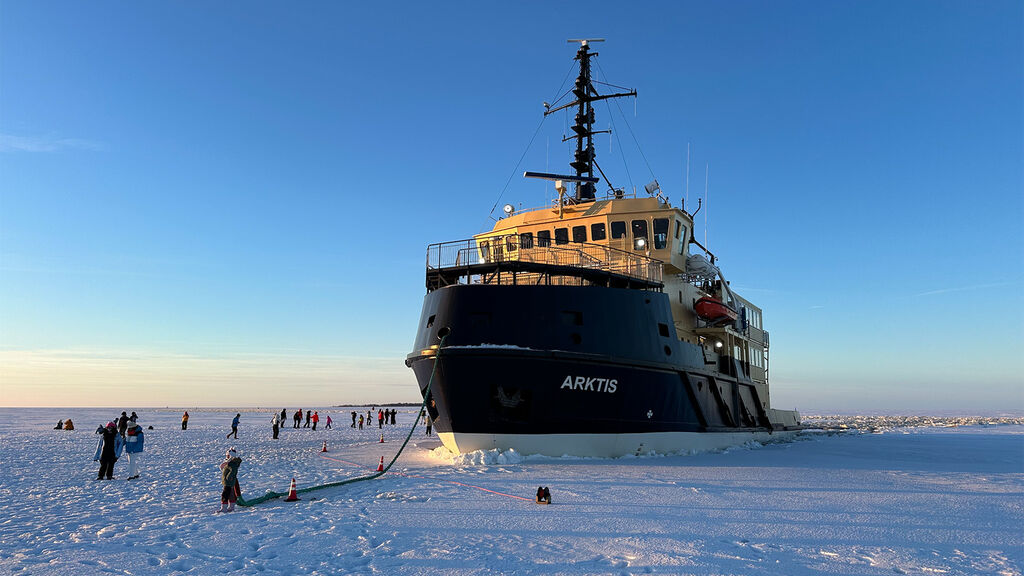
(597, 231)
(639, 228)
(526, 240)
(544, 238)
(660, 233)
(682, 243)
(561, 236)
(618, 230)
(579, 234)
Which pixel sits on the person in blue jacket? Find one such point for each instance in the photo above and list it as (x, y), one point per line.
(108, 450)
(133, 446)
(234, 426)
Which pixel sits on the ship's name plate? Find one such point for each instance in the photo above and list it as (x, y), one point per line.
(590, 384)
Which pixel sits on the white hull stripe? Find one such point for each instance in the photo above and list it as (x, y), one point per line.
(604, 445)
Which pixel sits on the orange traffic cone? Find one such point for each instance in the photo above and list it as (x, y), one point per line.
(380, 467)
(381, 438)
(324, 449)
(292, 494)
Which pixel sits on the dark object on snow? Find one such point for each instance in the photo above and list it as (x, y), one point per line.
(543, 495)
(150, 428)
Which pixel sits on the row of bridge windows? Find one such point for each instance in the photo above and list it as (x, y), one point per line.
(598, 232)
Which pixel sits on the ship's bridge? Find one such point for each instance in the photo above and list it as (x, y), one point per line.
(646, 227)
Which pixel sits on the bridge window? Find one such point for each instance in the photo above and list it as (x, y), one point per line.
(682, 240)
(640, 235)
(544, 238)
(618, 230)
(660, 233)
(579, 234)
(510, 243)
(597, 231)
(561, 236)
(526, 240)
(639, 228)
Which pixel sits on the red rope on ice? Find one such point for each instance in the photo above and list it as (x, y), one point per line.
(426, 478)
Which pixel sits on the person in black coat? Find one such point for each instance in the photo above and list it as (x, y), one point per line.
(122, 424)
(108, 450)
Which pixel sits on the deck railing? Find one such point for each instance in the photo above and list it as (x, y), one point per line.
(585, 257)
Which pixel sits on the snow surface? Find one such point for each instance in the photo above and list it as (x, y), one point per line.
(944, 497)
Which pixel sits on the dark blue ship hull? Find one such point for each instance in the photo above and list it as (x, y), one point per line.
(576, 369)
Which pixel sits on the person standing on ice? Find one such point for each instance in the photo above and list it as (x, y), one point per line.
(360, 421)
(184, 420)
(122, 424)
(353, 418)
(234, 426)
(229, 479)
(426, 418)
(327, 426)
(108, 450)
(275, 425)
(134, 439)
(380, 418)
(297, 418)
(134, 417)
(309, 414)
(284, 416)
(316, 418)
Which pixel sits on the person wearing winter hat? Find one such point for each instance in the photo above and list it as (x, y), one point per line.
(108, 450)
(133, 442)
(229, 479)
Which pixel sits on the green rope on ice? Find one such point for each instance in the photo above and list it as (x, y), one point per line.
(270, 495)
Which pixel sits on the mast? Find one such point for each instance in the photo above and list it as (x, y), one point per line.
(583, 161)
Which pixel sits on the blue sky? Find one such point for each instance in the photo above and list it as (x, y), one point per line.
(229, 204)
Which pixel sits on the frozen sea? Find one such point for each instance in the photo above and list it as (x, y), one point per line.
(932, 496)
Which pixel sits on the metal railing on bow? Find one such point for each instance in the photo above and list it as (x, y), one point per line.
(511, 260)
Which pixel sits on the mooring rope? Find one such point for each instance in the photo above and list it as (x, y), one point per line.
(270, 495)
(419, 477)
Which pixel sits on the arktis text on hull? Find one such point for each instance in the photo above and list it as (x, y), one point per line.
(596, 326)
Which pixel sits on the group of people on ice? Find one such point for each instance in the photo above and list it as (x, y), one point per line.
(126, 436)
(383, 417)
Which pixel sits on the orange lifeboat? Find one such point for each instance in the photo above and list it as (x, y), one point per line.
(714, 310)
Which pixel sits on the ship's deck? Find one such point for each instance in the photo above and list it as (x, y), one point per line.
(507, 261)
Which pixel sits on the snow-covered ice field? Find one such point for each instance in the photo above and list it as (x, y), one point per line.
(877, 499)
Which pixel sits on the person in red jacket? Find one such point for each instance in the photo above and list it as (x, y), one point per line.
(315, 418)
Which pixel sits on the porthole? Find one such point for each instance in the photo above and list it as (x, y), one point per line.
(668, 351)
(576, 338)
